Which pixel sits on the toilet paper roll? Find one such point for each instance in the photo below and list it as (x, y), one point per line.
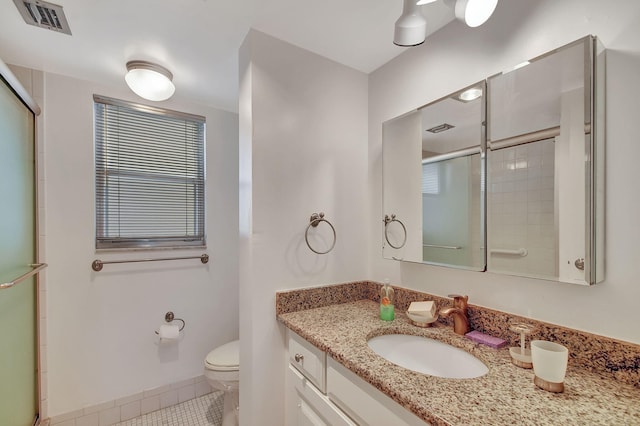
(169, 331)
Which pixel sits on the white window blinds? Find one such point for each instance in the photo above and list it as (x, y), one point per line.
(431, 178)
(150, 178)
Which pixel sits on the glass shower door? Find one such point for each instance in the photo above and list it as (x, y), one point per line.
(18, 355)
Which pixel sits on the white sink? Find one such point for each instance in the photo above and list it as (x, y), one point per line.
(428, 356)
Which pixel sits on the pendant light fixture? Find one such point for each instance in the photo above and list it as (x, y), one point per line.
(411, 27)
(149, 81)
(474, 12)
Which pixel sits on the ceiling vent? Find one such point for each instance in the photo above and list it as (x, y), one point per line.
(44, 15)
(440, 128)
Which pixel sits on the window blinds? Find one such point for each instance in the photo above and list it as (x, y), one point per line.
(431, 178)
(150, 178)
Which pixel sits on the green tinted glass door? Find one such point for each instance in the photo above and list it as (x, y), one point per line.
(18, 360)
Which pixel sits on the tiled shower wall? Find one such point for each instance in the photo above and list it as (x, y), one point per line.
(521, 209)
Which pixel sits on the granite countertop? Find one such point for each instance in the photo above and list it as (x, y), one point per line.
(505, 395)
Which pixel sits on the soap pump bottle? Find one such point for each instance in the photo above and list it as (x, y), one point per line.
(387, 300)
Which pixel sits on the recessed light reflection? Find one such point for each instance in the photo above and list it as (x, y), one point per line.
(518, 165)
(469, 95)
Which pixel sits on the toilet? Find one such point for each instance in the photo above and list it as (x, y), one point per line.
(222, 371)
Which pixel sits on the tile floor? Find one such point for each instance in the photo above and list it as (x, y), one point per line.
(203, 411)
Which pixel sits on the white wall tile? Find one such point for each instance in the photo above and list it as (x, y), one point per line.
(88, 420)
(65, 423)
(178, 385)
(66, 416)
(202, 388)
(99, 407)
(44, 385)
(186, 393)
(130, 410)
(128, 399)
(147, 405)
(169, 398)
(109, 416)
(155, 391)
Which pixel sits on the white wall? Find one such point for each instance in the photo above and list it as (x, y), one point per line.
(100, 325)
(303, 149)
(457, 56)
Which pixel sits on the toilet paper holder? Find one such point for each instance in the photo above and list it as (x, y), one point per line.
(170, 317)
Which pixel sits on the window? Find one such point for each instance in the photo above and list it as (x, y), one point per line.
(149, 176)
(431, 178)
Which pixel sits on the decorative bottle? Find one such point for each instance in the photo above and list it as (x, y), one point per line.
(387, 300)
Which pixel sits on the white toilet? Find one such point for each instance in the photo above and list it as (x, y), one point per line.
(222, 370)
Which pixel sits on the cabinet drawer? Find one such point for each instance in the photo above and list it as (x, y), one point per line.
(308, 359)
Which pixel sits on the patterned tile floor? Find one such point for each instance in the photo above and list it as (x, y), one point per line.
(203, 411)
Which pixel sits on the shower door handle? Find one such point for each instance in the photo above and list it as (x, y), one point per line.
(37, 267)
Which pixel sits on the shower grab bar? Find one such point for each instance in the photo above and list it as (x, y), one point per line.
(37, 267)
(98, 264)
(442, 247)
(518, 252)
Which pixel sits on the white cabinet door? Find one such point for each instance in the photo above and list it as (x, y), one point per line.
(308, 359)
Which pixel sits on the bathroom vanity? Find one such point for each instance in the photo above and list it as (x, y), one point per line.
(335, 378)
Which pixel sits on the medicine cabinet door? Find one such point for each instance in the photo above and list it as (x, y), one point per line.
(545, 167)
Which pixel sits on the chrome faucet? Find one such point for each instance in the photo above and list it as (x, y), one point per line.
(459, 312)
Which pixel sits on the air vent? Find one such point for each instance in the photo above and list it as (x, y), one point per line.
(440, 128)
(44, 15)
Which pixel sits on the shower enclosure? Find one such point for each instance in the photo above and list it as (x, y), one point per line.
(19, 393)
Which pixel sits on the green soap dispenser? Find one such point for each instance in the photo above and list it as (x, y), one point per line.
(387, 300)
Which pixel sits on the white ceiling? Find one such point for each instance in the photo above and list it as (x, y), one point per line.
(198, 40)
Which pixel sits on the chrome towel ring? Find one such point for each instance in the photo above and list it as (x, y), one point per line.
(314, 221)
(387, 220)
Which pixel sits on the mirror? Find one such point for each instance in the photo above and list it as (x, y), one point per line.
(544, 209)
(542, 182)
(433, 163)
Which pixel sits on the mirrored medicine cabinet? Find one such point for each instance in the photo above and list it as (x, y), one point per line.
(506, 175)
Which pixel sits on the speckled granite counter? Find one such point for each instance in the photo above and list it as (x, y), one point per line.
(505, 395)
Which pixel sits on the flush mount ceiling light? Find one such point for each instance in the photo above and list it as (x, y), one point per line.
(149, 81)
(411, 27)
(474, 12)
(469, 95)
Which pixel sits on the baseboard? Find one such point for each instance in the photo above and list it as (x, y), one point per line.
(131, 406)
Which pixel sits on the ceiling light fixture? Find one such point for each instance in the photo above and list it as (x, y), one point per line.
(149, 81)
(474, 12)
(469, 95)
(411, 27)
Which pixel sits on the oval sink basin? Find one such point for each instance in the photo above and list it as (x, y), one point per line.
(428, 356)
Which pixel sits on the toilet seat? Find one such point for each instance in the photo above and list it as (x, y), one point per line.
(225, 357)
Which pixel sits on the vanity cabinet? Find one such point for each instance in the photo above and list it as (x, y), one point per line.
(364, 403)
(320, 391)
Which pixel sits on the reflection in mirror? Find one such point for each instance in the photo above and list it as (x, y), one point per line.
(541, 186)
(433, 182)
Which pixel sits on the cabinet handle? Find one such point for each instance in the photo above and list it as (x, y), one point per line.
(298, 357)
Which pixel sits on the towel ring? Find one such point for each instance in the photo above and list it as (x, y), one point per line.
(387, 220)
(314, 221)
